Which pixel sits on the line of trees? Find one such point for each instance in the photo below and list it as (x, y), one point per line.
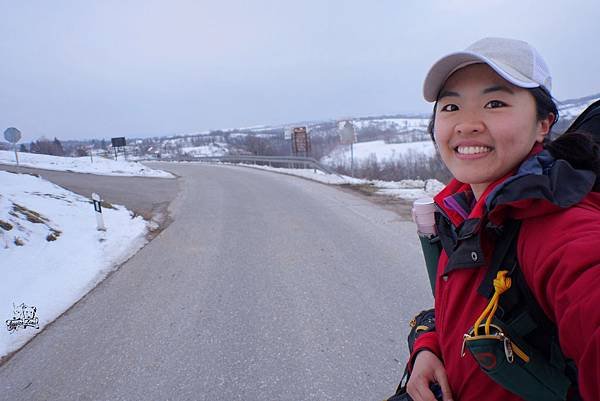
(46, 147)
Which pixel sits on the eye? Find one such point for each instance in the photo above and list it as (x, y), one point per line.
(449, 107)
(493, 104)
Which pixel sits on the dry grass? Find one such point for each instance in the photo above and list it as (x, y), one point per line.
(30, 215)
(104, 204)
(54, 234)
(5, 225)
(367, 189)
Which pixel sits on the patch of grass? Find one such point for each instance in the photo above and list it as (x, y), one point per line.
(59, 197)
(104, 204)
(367, 189)
(54, 234)
(5, 225)
(30, 215)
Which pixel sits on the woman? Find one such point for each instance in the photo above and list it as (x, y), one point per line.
(492, 116)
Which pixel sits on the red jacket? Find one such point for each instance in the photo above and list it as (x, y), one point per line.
(559, 253)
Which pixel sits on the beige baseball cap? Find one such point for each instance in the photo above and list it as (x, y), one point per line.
(514, 60)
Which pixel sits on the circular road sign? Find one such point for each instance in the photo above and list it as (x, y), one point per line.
(12, 135)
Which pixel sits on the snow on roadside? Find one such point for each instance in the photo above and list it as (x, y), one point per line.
(51, 254)
(99, 165)
(405, 189)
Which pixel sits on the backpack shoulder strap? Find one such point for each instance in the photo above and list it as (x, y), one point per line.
(519, 309)
(504, 256)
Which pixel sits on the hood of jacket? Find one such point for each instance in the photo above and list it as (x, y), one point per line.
(540, 185)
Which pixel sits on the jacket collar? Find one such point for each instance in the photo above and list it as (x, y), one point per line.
(540, 185)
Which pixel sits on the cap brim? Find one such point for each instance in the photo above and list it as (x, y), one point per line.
(446, 66)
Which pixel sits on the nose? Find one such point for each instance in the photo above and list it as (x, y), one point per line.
(469, 127)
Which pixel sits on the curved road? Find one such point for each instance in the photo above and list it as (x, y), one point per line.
(264, 287)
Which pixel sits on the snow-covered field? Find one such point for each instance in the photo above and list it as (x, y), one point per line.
(401, 124)
(216, 149)
(51, 252)
(97, 165)
(378, 149)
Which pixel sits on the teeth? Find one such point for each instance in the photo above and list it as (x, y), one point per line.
(471, 150)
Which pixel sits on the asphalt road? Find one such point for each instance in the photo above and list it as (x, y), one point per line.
(264, 287)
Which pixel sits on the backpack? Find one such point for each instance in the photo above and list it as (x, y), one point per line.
(547, 374)
(588, 121)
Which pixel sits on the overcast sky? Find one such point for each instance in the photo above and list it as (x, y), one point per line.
(99, 69)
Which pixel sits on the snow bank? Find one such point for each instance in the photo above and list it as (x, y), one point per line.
(405, 189)
(100, 165)
(50, 251)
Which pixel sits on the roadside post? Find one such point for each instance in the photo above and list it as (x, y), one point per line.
(287, 136)
(98, 208)
(13, 136)
(348, 137)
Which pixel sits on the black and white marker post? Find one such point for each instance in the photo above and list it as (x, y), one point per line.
(98, 209)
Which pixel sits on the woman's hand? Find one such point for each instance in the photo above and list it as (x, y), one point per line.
(427, 369)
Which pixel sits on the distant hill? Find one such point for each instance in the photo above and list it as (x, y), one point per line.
(271, 139)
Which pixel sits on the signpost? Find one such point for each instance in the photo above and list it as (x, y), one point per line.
(348, 137)
(300, 140)
(118, 143)
(13, 136)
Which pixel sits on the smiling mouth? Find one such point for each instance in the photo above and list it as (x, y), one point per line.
(472, 150)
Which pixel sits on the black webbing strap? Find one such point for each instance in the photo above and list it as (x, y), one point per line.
(523, 301)
(504, 257)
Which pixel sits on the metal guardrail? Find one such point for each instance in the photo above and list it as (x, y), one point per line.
(290, 161)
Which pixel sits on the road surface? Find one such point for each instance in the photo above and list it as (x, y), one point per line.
(264, 287)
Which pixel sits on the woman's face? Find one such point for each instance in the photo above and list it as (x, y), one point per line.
(485, 126)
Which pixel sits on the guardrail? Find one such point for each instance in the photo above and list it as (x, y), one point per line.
(290, 161)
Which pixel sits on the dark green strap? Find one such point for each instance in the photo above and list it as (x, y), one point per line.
(504, 257)
(431, 251)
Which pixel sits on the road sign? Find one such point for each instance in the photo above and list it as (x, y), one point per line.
(118, 142)
(12, 135)
(300, 140)
(347, 132)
